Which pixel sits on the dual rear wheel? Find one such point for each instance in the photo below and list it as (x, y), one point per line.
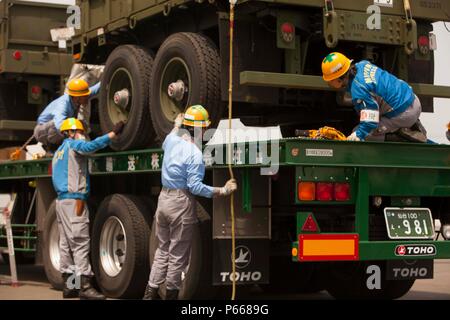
(148, 93)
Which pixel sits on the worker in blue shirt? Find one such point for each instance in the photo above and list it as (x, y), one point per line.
(385, 103)
(47, 130)
(182, 174)
(71, 182)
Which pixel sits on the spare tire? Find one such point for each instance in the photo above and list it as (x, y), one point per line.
(124, 96)
(193, 59)
(120, 241)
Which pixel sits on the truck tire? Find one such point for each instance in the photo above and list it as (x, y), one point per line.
(50, 252)
(120, 239)
(194, 59)
(128, 67)
(197, 281)
(349, 281)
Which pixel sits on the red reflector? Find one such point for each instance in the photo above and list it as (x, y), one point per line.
(342, 191)
(324, 191)
(287, 27)
(17, 55)
(310, 225)
(35, 89)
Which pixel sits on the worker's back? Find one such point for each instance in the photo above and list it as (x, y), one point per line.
(183, 166)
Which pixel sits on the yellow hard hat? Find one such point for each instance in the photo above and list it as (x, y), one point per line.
(78, 88)
(196, 116)
(71, 124)
(335, 65)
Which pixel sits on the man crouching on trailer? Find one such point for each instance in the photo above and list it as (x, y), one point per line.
(385, 103)
(71, 182)
(182, 175)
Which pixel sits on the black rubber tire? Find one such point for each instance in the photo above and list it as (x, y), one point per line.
(202, 58)
(138, 62)
(134, 215)
(53, 274)
(348, 281)
(197, 283)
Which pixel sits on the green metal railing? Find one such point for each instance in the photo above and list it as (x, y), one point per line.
(24, 236)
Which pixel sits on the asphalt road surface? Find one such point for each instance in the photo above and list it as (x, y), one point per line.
(34, 286)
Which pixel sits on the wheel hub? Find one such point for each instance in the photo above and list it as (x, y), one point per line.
(121, 98)
(176, 90)
(113, 244)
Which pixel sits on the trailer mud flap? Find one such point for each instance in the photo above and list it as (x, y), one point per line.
(252, 261)
(409, 269)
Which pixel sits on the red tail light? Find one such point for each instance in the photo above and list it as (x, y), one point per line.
(324, 191)
(342, 191)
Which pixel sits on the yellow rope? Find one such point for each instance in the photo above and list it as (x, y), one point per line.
(230, 169)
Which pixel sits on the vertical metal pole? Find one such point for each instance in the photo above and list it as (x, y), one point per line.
(12, 256)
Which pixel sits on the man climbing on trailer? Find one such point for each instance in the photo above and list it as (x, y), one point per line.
(385, 103)
(71, 182)
(47, 130)
(182, 175)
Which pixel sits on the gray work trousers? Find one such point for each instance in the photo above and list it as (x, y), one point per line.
(73, 238)
(405, 119)
(47, 133)
(175, 220)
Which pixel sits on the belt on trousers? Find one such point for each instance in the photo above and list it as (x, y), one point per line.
(176, 191)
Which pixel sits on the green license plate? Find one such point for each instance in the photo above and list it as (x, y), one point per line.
(409, 223)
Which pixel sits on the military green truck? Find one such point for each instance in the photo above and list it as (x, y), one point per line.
(310, 214)
(32, 66)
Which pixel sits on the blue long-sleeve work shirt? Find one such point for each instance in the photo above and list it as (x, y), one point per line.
(183, 166)
(372, 84)
(70, 173)
(60, 109)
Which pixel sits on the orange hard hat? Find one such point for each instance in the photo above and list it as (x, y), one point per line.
(78, 88)
(335, 65)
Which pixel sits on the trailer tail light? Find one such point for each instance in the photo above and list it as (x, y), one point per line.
(17, 55)
(306, 191)
(342, 191)
(287, 32)
(324, 191)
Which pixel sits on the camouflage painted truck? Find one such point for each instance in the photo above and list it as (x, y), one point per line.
(333, 216)
(32, 66)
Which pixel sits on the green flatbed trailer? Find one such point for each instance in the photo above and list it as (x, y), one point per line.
(327, 218)
(271, 216)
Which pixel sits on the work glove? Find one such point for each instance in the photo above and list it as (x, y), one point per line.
(118, 127)
(353, 137)
(179, 120)
(228, 188)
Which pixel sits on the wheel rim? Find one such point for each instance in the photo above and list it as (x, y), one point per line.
(121, 79)
(176, 69)
(113, 244)
(53, 246)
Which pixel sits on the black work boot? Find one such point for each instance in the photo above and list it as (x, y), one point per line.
(87, 291)
(151, 293)
(171, 294)
(68, 292)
